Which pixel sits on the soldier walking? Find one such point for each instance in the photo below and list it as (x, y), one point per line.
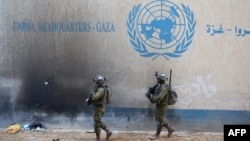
(159, 95)
(99, 98)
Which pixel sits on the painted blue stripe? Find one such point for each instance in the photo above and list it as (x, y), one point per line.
(120, 118)
(183, 119)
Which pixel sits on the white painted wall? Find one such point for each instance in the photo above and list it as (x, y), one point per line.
(212, 74)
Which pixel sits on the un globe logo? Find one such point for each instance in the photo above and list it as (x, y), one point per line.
(161, 28)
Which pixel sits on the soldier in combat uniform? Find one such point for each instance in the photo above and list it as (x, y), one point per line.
(158, 95)
(99, 98)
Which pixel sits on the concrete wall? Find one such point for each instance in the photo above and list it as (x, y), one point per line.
(51, 50)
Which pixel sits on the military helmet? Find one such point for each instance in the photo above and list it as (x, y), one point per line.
(160, 75)
(100, 79)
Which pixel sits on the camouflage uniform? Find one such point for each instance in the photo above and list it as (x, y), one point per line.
(99, 102)
(99, 98)
(159, 95)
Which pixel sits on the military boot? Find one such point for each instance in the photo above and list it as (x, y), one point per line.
(155, 136)
(98, 138)
(169, 128)
(108, 133)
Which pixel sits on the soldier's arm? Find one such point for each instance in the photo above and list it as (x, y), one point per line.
(97, 95)
(162, 94)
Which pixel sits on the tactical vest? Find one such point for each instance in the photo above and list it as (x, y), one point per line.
(105, 98)
(156, 91)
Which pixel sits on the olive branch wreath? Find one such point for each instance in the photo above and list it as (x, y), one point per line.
(180, 48)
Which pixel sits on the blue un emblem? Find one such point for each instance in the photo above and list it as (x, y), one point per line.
(161, 28)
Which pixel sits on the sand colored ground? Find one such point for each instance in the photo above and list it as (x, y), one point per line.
(81, 135)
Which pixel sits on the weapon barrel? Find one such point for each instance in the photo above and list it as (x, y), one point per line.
(170, 78)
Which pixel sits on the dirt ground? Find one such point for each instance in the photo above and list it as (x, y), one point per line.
(81, 135)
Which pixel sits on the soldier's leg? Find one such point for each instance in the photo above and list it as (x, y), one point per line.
(97, 125)
(159, 117)
(104, 127)
(108, 132)
(169, 128)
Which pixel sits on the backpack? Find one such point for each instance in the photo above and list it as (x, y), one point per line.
(108, 94)
(172, 97)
